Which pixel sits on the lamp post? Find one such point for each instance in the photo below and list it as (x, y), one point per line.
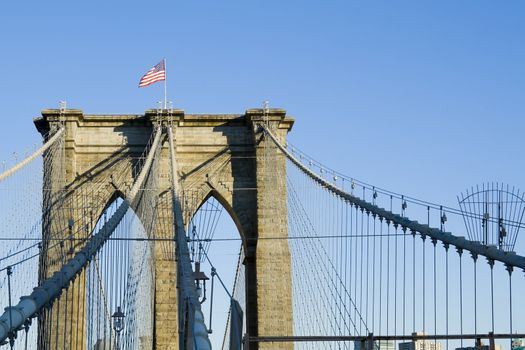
(199, 277)
(118, 324)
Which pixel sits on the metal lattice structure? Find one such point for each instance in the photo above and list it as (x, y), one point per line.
(493, 214)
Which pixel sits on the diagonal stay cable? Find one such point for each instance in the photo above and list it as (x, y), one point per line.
(29, 306)
(329, 268)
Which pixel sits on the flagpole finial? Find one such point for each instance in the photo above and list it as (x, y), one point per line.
(266, 112)
(266, 106)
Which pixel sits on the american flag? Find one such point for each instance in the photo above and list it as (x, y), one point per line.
(157, 73)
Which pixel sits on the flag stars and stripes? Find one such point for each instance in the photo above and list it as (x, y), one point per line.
(155, 74)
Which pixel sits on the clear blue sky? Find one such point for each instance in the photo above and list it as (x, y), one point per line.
(425, 98)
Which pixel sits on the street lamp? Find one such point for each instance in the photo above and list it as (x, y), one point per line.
(199, 277)
(118, 323)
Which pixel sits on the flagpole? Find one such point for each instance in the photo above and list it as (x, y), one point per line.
(165, 80)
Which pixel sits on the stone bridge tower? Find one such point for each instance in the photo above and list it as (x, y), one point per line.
(225, 156)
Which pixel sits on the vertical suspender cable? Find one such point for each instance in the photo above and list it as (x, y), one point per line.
(47, 337)
(475, 258)
(356, 262)
(404, 277)
(104, 268)
(387, 289)
(72, 311)
(57, 319)
(374, 274)
(423, 238)
(77, 316)
(350, 265)
(96, 302)
(446, 292)
(9, 272)
(346, 252)
(509, 269)
(434, 242)
(380, 332)
(367, 263)
(88, 303)
(361, 267)
(395, 280)
(413, 281)
(460, 253)
(65, 319)
(491, 263)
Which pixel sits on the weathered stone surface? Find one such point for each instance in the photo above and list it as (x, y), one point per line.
(224, 156)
